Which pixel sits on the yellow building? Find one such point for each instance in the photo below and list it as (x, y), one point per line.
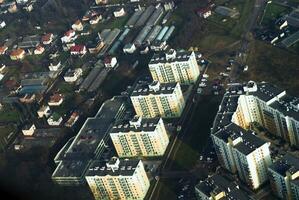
(174, 67)
(139, 137)
(118, 179)
(158, 100)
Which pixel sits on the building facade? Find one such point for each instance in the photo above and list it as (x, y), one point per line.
(174, 67)
(241, 151)
(158, 100)
(271, 108)
(284, 177)
(139, 137)
(118, 179)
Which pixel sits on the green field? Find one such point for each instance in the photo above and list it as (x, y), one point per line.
(275, 65)
(272, 12)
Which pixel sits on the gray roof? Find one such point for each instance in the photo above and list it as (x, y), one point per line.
(288, 163)
(125, 168)
(180, 57)
(71, 169)
(146, 125)
(249, 142)
(266, 91)
(144, 89)
(217, 184)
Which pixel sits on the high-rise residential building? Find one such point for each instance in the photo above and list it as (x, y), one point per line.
(218, 187)
(284, 177)
(118, 179)
(241, 151)
(158, 100)
(89, 144)
(139, 137)
(175, 67)
(270, 107)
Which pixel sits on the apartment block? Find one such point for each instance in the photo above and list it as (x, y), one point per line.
(217, 187)
(270, 107)
(175, 67)
(241, 151)
(118, 179)
(139, 137)
(284, 177)
(158, 100)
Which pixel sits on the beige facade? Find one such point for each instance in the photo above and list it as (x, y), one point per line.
(123, 179)
(140, 137)
(175, 67)
(158, 100)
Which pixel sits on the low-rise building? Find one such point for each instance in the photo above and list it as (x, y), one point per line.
(2, 24)
(39, 50)
(72, 120)
(17, 54)
(69, 36)
(28, 130)
(27, 98)
(72, 75)
(77, 26)
(55, 100)
(55, 66)
(3, 50)
(55, 119)
(119, 13)
(47, 38)
(129, 48)
(78, 50)
(110, 62)
(95, 19)
(44, 111)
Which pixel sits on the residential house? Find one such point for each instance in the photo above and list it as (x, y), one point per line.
(119, 13)
(204, 12)
(17, 54)
(55, 100)
(47, 38)
(3, 49)
(110, 62)
(2, 24)
(44, 111)
(55, 119)
(27, 98)
(69, 36)
(72, 120)
(78, 50)
(55, 66)
(72, 75)
(77, 26)
(95, 19)
(28, 129)
(39, 50)
(101, 1)
(129, 48)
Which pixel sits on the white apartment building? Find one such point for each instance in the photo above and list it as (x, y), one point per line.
(118, 179)
(284, 177)
(158, 100)
(174, 67)
(271, 108)
(241, 151)
(139, 137)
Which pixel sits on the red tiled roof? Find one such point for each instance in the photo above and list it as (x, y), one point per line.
(17, 52)
(77, 48)
(56, 97)
(46, 37)
(68, 33)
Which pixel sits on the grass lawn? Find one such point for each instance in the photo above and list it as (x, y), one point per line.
(197, 134)
(275, 65)
(111, 24)
(4, 132)
(8, 115)
(273, 12)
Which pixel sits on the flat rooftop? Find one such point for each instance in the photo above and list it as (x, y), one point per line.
(216, 184)
(124, 168)
(288, 163)
(180, 57)
(145, 89)
(249, 142)
(146, 125)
